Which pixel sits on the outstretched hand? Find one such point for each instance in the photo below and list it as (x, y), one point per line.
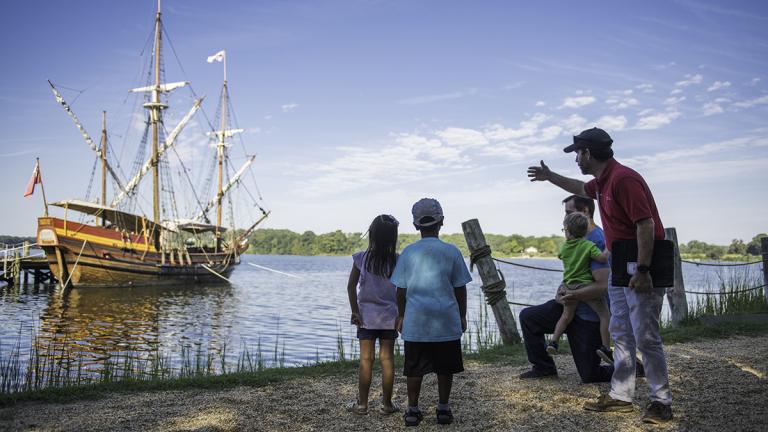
(539, 173)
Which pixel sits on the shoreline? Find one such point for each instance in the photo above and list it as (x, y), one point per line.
(487, 396)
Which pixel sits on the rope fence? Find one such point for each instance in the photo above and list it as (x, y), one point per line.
(485, 252)
(726, 292)
(527, 266)
(720, 264)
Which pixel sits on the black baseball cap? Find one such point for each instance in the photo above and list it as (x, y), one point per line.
(595, 139)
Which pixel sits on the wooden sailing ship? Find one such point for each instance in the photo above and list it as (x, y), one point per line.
(125, 247)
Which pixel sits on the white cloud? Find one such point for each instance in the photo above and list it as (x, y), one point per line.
(645, 88)
(412, 157)
(711, 108)
(550, 133)
(417, 100)
(289, 107)
(612, 123)
(752, 102)
(676, 91)
(577, 102)
(690, 80)
(527, 128)
(619, 103)
(656, 121)
(645, 112)
(754, 81)
(540, 103)
(717, 85)
(574, 124)
(627, 92)
(462, 137)
(674, 100)
(702, 150)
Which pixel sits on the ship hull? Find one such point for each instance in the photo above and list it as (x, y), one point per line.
(90, 256)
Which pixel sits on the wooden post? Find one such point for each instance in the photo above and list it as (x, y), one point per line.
(678, 303)
(764, 247)
(505, 320)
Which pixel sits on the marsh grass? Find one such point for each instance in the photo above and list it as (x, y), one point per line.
(730, 294)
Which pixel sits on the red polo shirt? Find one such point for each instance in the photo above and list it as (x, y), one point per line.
(624, 199)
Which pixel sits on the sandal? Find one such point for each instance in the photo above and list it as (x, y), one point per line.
(383, 410)
(444, 416)
(412, 418)
(355, 408)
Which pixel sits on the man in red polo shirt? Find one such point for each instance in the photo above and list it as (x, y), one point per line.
(628, 212)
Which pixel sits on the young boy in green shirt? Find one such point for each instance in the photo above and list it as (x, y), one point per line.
(576, 254)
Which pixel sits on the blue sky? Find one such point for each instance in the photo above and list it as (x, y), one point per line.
(356, 108)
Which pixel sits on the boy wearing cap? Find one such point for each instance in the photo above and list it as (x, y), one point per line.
(431, 278)
(628, 212)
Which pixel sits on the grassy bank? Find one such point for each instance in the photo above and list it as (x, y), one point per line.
(515, 355)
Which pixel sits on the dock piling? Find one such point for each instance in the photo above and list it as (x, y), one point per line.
(505, 319)
(678, 303)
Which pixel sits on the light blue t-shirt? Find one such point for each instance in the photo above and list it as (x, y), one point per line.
(583, 310)
(429, 270)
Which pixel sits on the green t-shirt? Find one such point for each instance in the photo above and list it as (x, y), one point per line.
(576, 255)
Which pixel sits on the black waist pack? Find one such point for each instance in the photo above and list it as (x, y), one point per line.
(624, 262)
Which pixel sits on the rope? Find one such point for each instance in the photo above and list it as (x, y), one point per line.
(520, 304)
(493, 292)
(66, 284)
(475, 255)
(726, 292)
(720, 264)
(527, 266)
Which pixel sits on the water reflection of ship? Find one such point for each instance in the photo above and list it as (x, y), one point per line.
(90, 326)
(127, 248)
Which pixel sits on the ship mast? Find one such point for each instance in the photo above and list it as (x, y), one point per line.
(103, 164)
(155, 108)
(220, 149)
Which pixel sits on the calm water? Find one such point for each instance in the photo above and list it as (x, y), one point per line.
(300, 318)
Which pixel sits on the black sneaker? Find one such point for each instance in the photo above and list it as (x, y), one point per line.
(412, 417)
(605, 354)
(533, 373)
(657, 413)
(552, 348)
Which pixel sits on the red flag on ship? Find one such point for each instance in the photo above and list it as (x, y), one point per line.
(36, 178)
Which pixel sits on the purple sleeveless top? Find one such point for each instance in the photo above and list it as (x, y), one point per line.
(375, 298)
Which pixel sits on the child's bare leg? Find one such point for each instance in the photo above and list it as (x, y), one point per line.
(387, 360)
(414, 389)
(365, 373)
(567, 316)
(444, 384)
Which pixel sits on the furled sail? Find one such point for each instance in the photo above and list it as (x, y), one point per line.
(87, 137)
(226, 188)
(163, 87)
(166, 145)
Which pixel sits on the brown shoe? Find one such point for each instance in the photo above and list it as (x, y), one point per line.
(657, 413)
(605, 403)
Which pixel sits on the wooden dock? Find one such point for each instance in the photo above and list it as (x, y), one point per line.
(21, 261)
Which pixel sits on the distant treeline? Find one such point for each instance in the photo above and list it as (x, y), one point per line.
(13, 240)
(737, 248)
(286, 242)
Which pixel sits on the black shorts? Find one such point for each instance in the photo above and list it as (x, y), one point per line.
(442, 358)
(373, 334)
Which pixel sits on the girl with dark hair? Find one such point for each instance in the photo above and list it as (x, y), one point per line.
(372, 298)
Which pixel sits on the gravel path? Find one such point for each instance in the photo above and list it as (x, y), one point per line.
(717, 385)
